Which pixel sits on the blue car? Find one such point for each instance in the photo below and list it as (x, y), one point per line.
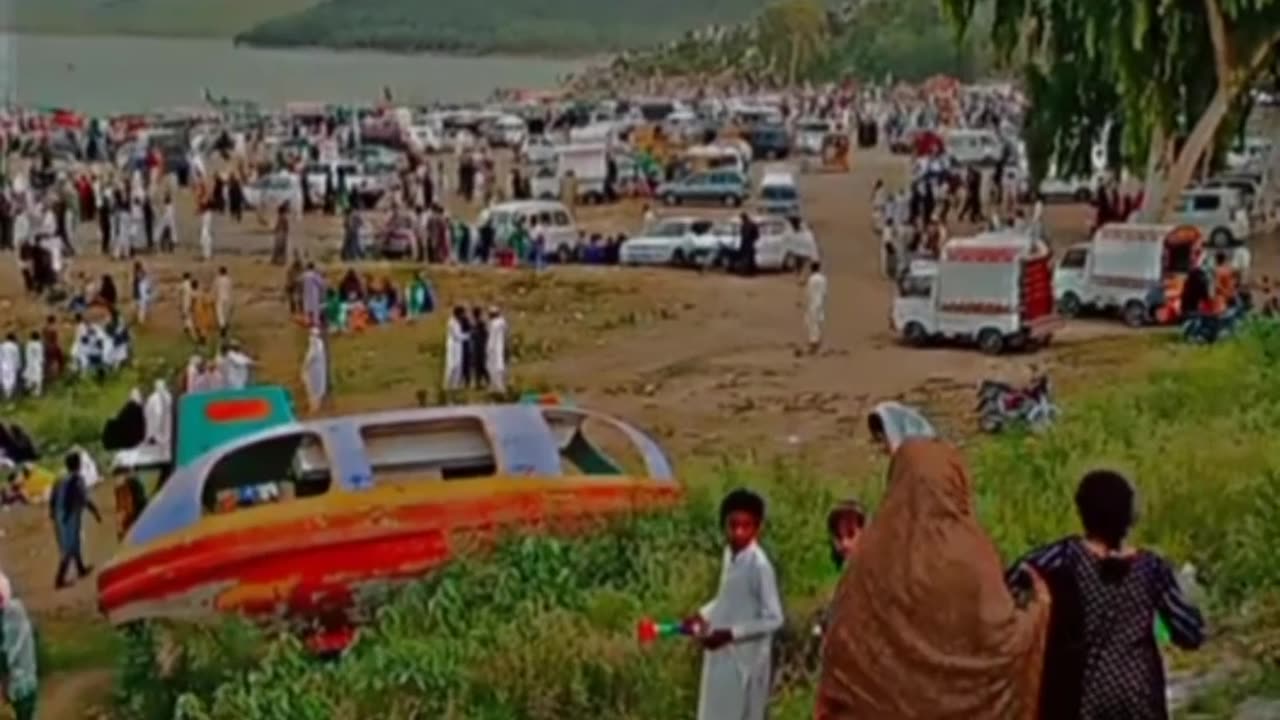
(725, 187)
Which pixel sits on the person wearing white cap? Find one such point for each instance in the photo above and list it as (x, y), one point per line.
(496, 351)
(22, 682)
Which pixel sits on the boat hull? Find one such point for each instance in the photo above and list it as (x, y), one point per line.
(331, 560)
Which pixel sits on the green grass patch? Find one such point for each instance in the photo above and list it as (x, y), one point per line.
(71, 645)
(542, 629)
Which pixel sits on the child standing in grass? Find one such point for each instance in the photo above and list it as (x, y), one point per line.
(844, 526)
(737, 627)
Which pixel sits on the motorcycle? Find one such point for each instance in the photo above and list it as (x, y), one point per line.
(1208, 329)
(1001, 404)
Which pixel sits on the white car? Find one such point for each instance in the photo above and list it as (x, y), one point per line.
(271, 191)
(1076, 189)
(424, 139)
(670, 241)
(780, 247)
(537, 150)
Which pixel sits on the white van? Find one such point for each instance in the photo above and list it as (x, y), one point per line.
(995, 290)
(550, 218)
(1134, 270)
(779, 194)
(1218, 212)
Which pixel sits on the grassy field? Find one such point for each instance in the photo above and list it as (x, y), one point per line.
(543, 629)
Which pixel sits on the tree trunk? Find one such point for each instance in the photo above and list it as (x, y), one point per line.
(1201, 137)
(1153, 181)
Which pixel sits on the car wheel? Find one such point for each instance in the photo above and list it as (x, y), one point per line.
(670, 199)
(564, 255)
(732, 200)
(990, 341)
(1135, 314)
(1069, 305)
(1083, 195)
(678, 259)
(790, 263)
(915, 335)
(1220, 237)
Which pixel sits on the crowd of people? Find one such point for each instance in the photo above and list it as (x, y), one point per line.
(1069, 631)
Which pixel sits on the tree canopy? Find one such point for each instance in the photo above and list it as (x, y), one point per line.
(1167, 74)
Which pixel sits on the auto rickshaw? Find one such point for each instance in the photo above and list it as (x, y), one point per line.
(835, 155)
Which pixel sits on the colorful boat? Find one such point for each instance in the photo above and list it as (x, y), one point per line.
(310, 522)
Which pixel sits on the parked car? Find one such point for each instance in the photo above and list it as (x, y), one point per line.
(537, 149)
(1218, 212)
(973, 147)
(548, 217)
(782, 245)
(769, 141)
(717, 186)
(1251, 152)
(670, 241)
(779, 195)
(271, 191)
(1075, 189)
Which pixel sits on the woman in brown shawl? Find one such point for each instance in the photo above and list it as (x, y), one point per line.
(923, 625)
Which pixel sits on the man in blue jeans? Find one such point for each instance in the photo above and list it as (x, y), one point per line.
(69, 500)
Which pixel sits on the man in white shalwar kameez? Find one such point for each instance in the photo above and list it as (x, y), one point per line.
(222, 299)
(33, 366)
(455, 344)
(235, 368)
(206, 232)
(815, 308)
(496, 351)
(80, 347)
(315, 370)
(158, 413)
(10, 363)
(736, 628)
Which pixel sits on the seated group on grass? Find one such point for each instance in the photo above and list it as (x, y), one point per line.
(356, 303)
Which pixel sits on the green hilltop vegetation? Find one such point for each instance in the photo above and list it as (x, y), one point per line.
(524, 26)
(189, 18)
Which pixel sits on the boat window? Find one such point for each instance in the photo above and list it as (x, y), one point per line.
(267, 471)
(594, 447)
(447, 449)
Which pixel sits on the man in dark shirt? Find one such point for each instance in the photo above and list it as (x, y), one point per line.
(69, 500)
(750, 234)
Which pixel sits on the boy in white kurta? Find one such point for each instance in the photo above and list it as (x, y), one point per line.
(496, 351)
(815, 306)
(33, 366)
(736, 628)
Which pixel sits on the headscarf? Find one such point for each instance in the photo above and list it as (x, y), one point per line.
(902, 423)
(923, 624)
(6, 590)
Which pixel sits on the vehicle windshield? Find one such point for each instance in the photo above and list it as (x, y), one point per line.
(670, 229)
(814, 127)
(778, 192)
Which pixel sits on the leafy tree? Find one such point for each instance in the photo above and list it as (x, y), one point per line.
(792, 32)
(1177, 70)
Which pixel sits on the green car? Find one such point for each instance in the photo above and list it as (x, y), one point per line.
(724, 187)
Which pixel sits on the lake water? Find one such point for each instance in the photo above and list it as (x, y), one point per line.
(109, 73)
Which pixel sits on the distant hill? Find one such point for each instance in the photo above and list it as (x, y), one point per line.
(480, 26)
(204, 18)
